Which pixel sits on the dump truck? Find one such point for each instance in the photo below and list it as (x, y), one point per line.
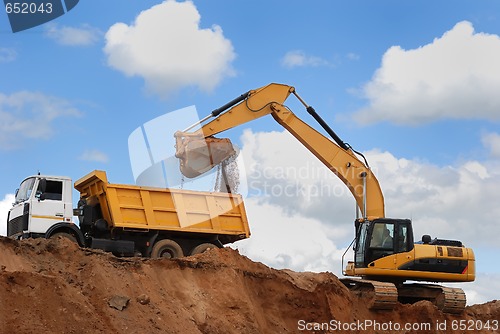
(127, 220)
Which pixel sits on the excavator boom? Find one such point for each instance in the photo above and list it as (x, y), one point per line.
(193, 148)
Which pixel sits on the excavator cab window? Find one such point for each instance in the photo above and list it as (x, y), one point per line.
(382, 236)
(360, 245)
(381, 241)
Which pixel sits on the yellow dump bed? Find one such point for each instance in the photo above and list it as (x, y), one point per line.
(134, 207)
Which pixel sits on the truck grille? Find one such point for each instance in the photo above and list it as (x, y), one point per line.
(15, 226)
(18, 224)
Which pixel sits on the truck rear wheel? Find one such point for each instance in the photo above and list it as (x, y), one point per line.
(64, 235)
(202, 248)
(166, 248)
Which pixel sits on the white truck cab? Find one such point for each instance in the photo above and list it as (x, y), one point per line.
(43, 207)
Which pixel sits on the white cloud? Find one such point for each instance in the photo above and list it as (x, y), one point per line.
(301, 216)
(94, 155)
(7, 55)
(84, 36)
(451, 202)
(30, 115)
(5, 205)
(492, 142)
(438, 198)
(484, 289)
(288, 175)
(288, 241)
(453, 77)
(167, 47)
(298, 58)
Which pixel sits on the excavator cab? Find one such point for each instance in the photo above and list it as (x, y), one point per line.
(379, 238)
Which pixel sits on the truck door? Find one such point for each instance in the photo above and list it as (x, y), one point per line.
(47, 206)
(18, 218)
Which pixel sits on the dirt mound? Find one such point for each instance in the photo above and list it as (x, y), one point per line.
(53, 286)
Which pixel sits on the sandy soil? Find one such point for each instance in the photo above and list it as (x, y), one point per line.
(53, 286)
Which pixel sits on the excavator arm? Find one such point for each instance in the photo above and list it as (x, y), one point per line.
(199, 151)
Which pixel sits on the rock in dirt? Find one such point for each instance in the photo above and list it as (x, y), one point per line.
(143, 299)
(118, 302)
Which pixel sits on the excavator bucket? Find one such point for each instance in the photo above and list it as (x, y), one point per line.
(199, 155)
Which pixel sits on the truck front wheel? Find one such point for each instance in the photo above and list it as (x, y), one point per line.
(166, 248)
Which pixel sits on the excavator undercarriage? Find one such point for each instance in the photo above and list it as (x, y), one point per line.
(377, 295)
(448, 300)
(385, 295)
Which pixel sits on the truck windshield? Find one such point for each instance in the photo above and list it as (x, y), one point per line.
(25, 190)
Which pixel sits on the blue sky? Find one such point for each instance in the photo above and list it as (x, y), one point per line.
(412, 84)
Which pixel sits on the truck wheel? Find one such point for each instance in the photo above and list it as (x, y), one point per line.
(202, 248)
(166, 248)
(64, 235)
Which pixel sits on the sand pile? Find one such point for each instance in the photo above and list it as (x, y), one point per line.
(53, 286)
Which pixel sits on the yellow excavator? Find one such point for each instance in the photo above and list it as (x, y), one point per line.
(385, 253)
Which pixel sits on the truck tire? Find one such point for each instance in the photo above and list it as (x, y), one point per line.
(68, 236)
(166, 248)
(202, 248)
